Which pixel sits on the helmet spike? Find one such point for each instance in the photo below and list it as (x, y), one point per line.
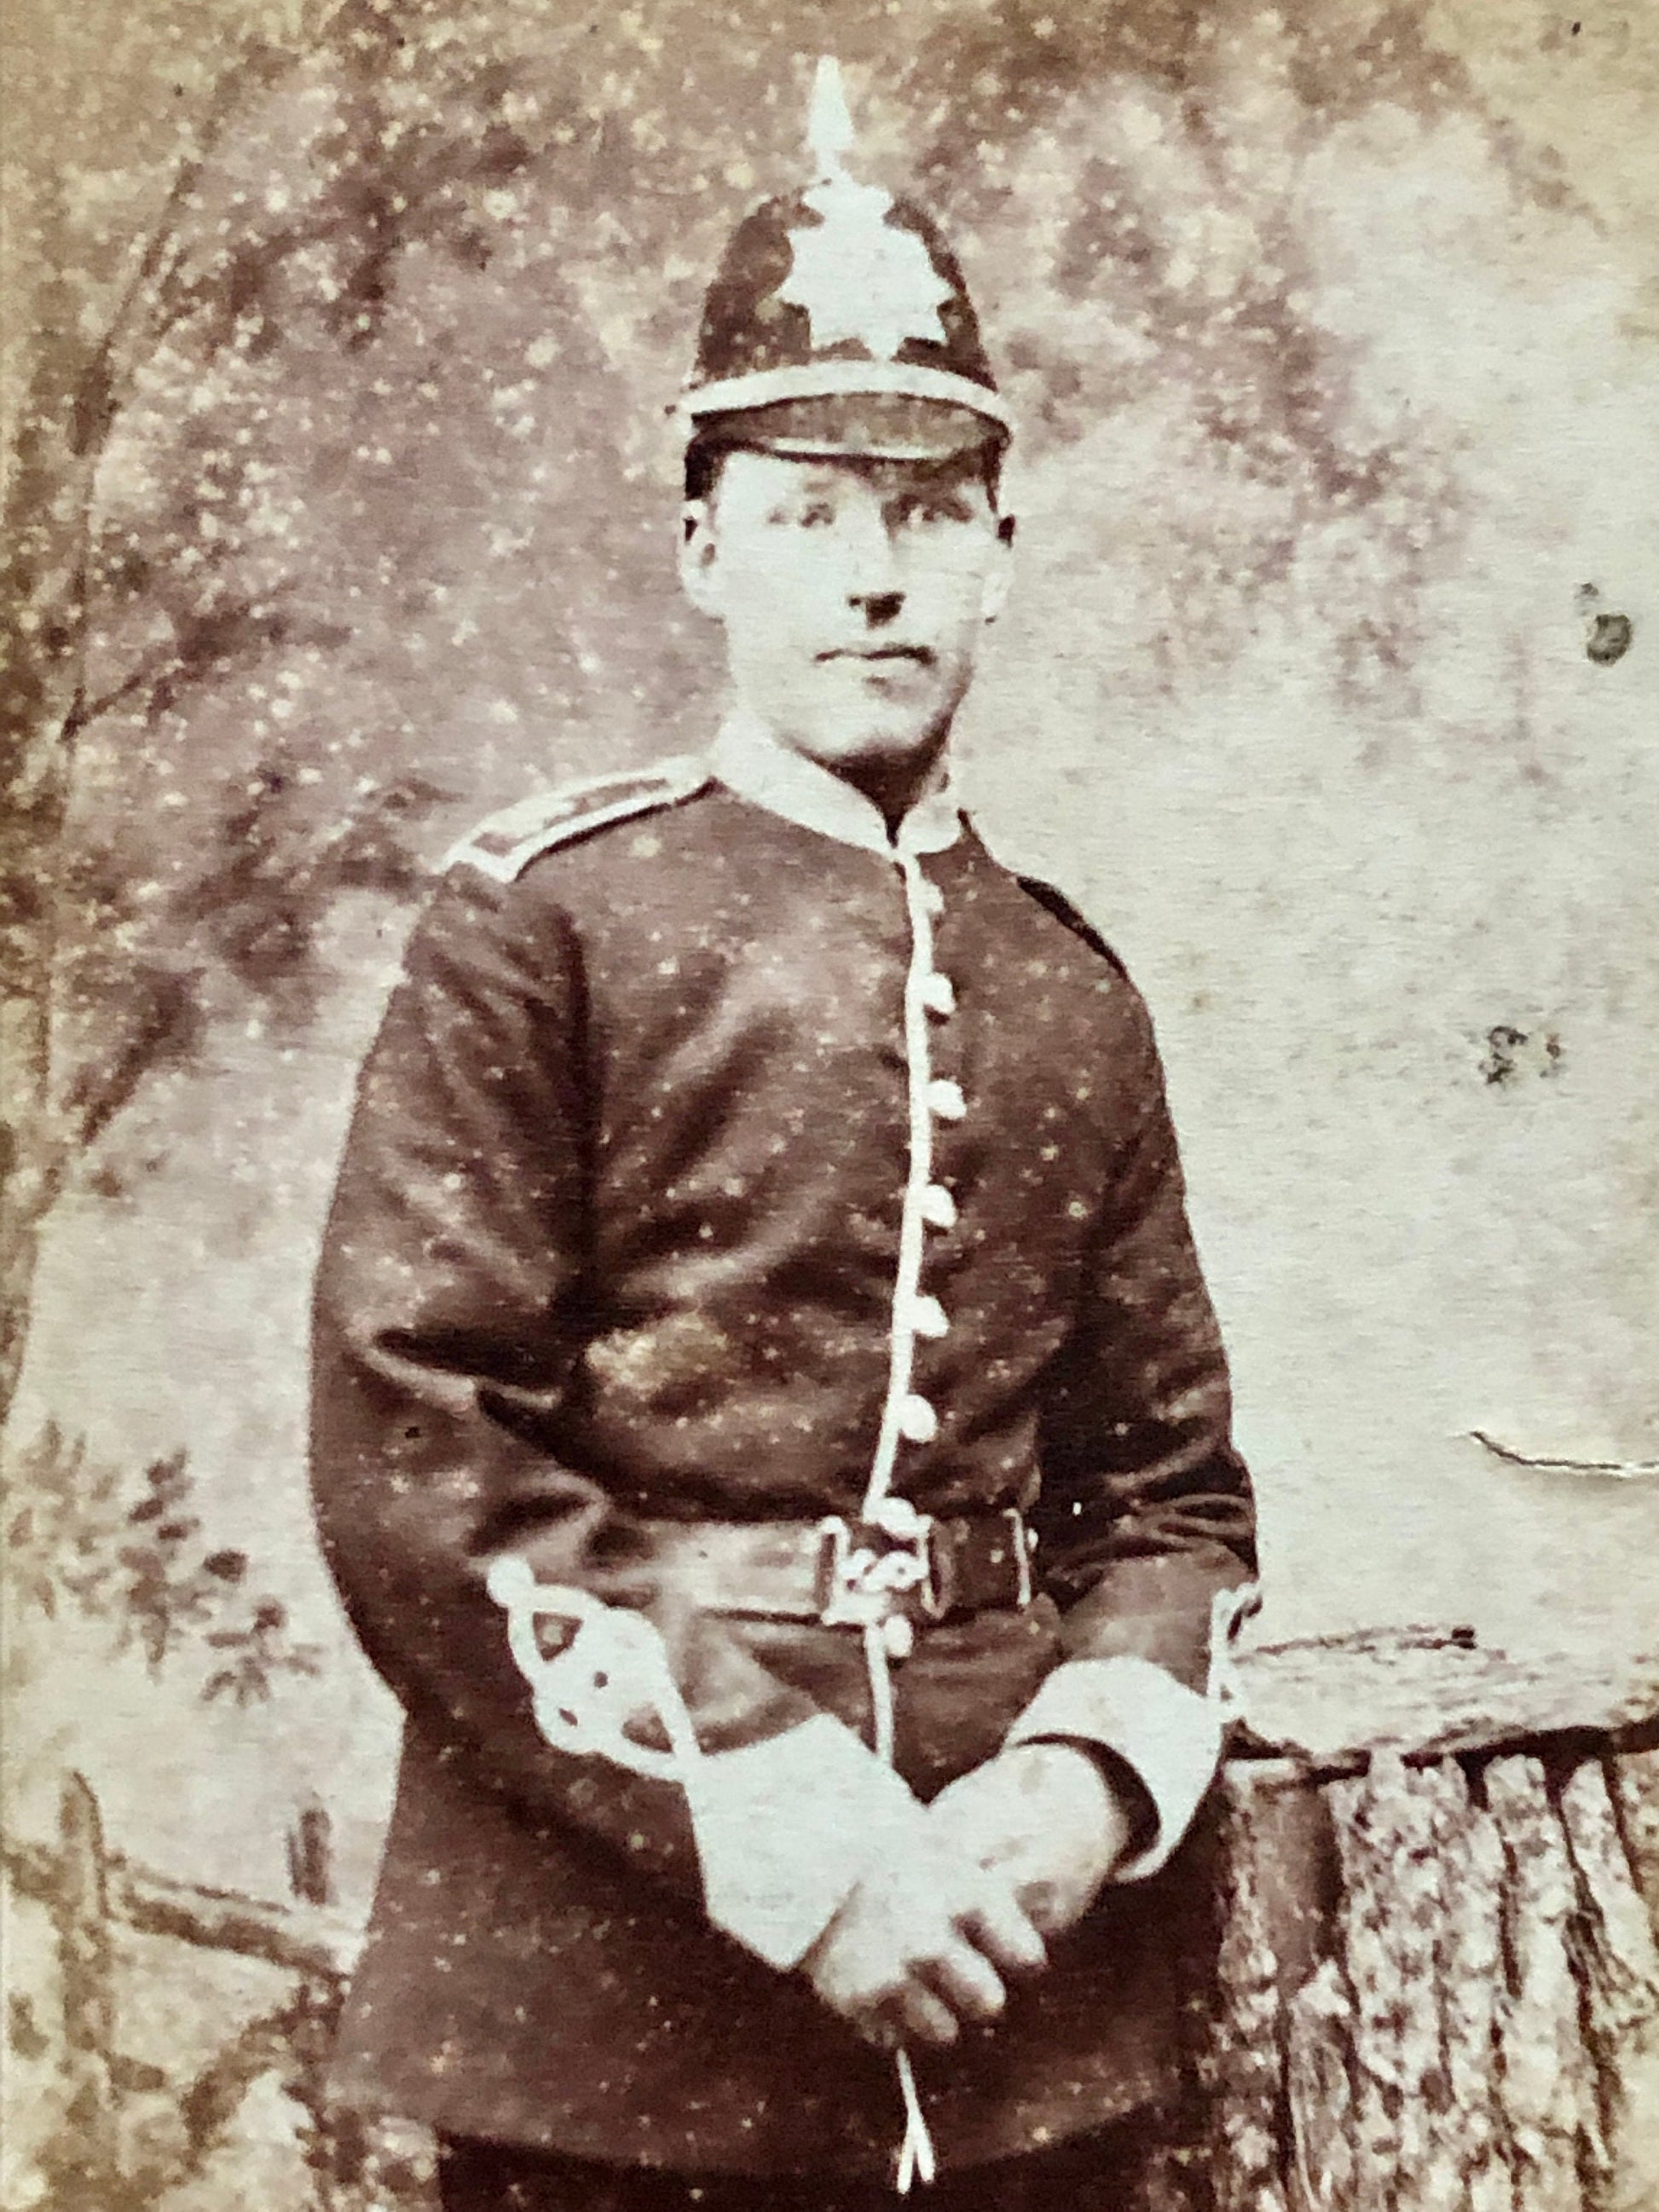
(829, 131)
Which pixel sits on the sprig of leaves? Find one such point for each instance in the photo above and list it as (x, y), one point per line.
(144, 1566)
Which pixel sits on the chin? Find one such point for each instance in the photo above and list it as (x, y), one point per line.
(874, 740)
(874, 755)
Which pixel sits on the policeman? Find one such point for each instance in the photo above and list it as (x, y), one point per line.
(770, 1429)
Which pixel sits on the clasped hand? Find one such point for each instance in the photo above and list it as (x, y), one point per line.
(1011, 1855)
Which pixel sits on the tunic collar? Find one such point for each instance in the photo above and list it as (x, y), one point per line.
(752, 764)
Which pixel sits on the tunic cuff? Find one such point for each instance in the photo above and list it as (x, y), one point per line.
(786, 1827)
(1168, 1734)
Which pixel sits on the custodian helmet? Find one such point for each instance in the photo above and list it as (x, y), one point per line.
(838, 322)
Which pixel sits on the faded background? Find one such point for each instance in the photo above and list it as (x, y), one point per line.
(340, 509)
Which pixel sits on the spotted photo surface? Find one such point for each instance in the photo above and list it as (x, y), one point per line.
(828, 1233)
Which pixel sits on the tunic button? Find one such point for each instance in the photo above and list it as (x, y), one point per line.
(938, 995)
(897, 1517)
(917, 1422)
(944, 1099)
(898, 1635)
(927, 1316)
(938, 1208)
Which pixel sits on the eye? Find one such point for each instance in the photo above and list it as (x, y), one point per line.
(816, 516)
(926, 510)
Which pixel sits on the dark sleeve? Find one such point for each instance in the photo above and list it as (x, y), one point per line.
(453, 1304)
(1146, 1514)
(1144, 1519)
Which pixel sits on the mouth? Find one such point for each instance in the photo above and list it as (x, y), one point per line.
(917, 655)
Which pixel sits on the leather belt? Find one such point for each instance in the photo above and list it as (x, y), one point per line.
(848, 1573)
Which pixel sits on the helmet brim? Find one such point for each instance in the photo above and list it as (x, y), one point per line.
(886, 425)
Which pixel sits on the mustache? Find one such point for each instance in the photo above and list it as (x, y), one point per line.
(921, 655)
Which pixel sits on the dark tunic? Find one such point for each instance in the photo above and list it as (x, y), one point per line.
(615, 1244)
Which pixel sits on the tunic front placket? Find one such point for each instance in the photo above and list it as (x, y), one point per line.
(908, 1418)
(751, 762)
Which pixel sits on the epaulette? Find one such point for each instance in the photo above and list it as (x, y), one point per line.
(504, 846)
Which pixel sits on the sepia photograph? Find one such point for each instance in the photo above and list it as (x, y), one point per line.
(830, 1255)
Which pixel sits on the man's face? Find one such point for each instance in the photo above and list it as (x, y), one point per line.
(853, 593)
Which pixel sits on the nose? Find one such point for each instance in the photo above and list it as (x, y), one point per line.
(877, 608)
(870, 570)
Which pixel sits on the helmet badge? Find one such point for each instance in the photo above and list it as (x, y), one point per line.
(859, 279)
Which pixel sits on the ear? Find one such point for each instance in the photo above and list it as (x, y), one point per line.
(999, 572)
(699, 554)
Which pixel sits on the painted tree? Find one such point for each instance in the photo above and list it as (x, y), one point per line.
(140, 592)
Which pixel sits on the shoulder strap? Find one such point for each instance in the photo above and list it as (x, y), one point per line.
(504, 846)
(1062, 909)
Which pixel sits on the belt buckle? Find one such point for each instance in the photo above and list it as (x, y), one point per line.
(866, 1568)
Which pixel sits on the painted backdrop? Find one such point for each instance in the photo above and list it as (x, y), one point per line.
(341, 512)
